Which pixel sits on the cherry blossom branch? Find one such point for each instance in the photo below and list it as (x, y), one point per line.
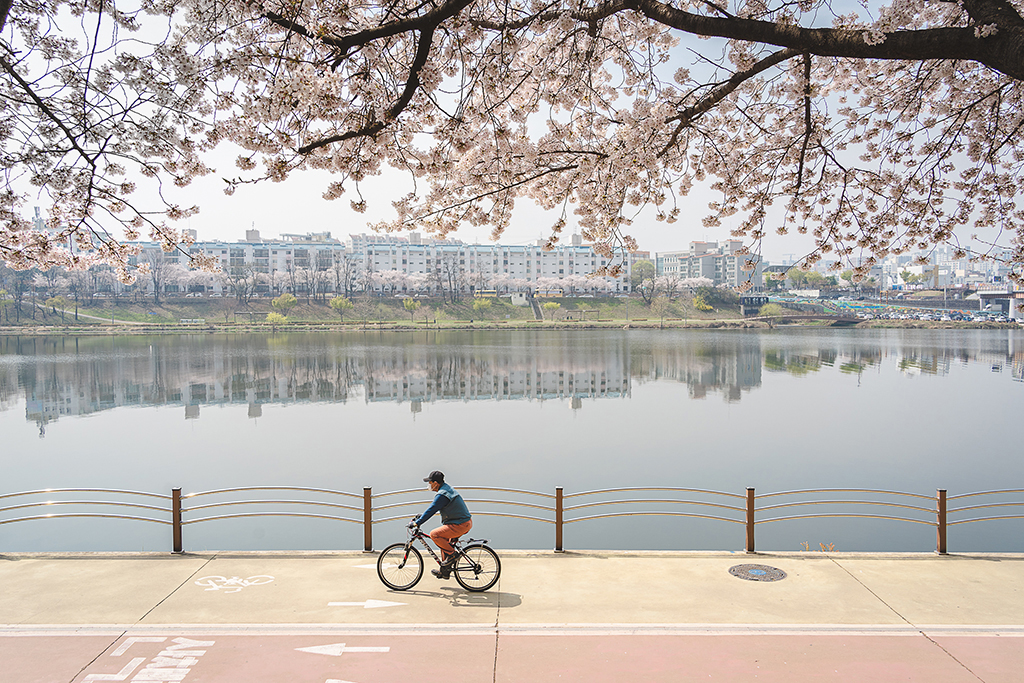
(808, 126)
(372, 129)
(707, 103)
(424, 22)
(504, 188)
(5, 9)
(49, 113)
(1003, 51)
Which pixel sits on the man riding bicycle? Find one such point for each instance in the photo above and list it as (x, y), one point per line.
(455, 520)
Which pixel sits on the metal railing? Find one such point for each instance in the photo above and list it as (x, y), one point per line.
(664, 502)
(558, 508)
(84, 503)
(943, 512)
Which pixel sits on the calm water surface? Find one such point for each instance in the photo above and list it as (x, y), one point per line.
(905, 410)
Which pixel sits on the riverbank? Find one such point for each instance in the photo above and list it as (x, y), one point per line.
(376, 309)
(365, 326)
(125, 329)
(228, 316)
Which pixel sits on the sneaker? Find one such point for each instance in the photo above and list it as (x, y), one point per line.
(442, 573)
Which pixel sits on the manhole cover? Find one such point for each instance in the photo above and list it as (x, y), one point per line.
(757, 572)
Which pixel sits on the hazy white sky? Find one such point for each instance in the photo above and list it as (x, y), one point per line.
(297, 206)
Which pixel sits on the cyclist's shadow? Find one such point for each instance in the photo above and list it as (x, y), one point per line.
(462, 598)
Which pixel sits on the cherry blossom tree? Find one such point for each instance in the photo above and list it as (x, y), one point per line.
(393, 280)
(549, 283)
(417, 282)
(95, 98)
(669, 285)
(875, 128)
(695, 283)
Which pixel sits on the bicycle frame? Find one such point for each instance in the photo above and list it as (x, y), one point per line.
(417, 534)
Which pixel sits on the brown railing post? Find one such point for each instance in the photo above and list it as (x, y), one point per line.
(940, 527)
(367, 519)
(558, 520)
(750, 519)
(176, 519)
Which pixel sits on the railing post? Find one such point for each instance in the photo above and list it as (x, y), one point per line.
(558, 520)
(176, 519)
(367, 519)
(940, 527)
(750, 519)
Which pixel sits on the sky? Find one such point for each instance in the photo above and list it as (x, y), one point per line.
(297, 206)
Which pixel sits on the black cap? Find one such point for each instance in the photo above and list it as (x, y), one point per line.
(435, 476)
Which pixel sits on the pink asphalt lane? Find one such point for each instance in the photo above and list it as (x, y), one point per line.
(507, 657)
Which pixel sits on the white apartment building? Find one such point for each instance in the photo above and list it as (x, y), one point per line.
(719, 263)
(389, 263)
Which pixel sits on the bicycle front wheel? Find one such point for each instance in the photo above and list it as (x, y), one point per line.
(478, 568)
(399, 569)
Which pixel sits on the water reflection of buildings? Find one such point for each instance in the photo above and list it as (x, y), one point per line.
(56, 383)
(730, 365)
(932, 353)
(57, 378)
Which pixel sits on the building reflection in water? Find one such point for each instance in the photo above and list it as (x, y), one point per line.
(82, 376)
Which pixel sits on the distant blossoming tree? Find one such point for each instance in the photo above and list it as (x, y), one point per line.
(876, 128)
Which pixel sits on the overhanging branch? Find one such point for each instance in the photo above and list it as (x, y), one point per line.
(1003, 51)
(375, 127)
(687, 116)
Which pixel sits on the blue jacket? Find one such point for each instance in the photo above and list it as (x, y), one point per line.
(453, 509)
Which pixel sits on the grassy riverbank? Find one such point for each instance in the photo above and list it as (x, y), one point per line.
(367, 312)
(215, 315)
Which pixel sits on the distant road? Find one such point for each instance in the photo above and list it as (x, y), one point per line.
(109, 321)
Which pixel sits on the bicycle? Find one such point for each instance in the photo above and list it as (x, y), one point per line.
(400, 565)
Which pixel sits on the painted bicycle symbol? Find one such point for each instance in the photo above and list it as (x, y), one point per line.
(234, 584)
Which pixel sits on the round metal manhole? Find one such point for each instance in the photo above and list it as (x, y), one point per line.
(757, 572)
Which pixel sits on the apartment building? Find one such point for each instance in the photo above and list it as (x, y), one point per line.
(385, 263)
(720, 263)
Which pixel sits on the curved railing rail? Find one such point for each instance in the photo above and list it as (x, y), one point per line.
(84, 503)
(558, 508)
(239, 489)
(886, 491)
(147, 494)
(471, 488)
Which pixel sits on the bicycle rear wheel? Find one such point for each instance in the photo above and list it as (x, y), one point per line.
(398, 569)
(478, 568)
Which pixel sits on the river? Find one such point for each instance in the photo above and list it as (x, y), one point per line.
(777, 410)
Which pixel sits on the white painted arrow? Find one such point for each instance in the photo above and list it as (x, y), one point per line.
(338, 649)
(366, 604)
(336, 680)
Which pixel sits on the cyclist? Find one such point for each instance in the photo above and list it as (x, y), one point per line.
(455, 521)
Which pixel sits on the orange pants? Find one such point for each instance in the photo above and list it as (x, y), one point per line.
(445, 533)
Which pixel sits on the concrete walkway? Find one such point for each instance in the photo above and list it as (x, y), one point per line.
(589, 616)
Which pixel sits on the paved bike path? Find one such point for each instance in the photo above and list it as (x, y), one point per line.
(572, 617)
